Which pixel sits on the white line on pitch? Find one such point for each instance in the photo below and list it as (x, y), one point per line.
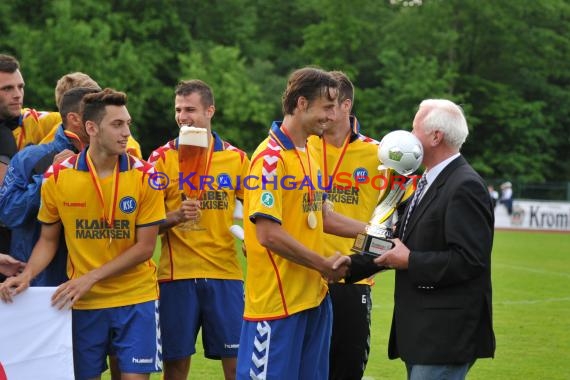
(532, 270)
(526, 302)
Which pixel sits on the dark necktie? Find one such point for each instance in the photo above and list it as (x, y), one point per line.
(417, 195)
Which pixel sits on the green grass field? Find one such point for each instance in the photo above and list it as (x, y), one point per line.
(531, 300)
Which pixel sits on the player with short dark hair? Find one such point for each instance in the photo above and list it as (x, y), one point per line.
(288, 317)
(110, 216)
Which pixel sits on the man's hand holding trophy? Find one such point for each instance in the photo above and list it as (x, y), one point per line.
(401, 154)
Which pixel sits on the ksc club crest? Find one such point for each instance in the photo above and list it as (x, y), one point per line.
(128, 204)
(224, 180)
(360, 175)
(267, 199)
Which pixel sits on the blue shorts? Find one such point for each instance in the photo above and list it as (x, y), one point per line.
(214, 305)
(295, 347)
(131, 332)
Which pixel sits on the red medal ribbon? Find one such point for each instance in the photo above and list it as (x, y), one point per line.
(345, 146)
(110, 216)
(311, 190)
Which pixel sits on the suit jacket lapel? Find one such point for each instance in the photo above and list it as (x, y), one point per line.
(431, 194)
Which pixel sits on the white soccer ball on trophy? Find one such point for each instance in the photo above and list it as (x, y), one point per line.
(402, 151)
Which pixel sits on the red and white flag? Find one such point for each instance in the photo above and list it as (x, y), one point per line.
(35, 338)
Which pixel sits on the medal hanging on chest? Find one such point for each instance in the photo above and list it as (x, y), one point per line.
(312, 220)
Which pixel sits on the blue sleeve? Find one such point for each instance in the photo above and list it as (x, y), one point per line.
(20, 194)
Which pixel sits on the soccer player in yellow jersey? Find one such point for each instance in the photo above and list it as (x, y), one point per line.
(349, 161)
(288, 317)
(201, 282)
(110, 216)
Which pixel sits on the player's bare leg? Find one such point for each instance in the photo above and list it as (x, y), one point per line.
(229, 366)
(176, 369)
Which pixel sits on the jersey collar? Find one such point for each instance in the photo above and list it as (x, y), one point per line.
(279, 137)
(354, 128)
(81, 163)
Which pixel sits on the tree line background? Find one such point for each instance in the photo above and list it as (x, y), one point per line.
(507, 62)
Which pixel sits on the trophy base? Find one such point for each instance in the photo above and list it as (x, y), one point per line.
(371, 245)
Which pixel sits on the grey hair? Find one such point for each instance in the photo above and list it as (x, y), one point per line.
(445, 116)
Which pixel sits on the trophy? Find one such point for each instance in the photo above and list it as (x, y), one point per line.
(192, 158)
(400, 152)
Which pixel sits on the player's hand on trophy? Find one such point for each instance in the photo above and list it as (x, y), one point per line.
(395, 258)
(189, 210)
(336, 267)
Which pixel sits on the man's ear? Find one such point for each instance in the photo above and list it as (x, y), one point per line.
(91, 128)
(437, 138)
(346, 105)
(210, 111)
(73, 118)
(302, 103)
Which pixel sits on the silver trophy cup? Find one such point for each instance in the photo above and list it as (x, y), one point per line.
(402, 153)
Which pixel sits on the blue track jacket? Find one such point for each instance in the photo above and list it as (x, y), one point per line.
(20, 203)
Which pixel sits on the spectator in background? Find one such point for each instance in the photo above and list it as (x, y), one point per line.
(507, 196)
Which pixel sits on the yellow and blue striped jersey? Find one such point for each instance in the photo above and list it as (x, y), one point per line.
(280, 189)
(209, 253)
(69, 195)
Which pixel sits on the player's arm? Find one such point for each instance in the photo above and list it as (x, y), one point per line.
(340, 225)
(42, 254)
(20, 195)
(272, 236)
(72, 290)
(188, 210)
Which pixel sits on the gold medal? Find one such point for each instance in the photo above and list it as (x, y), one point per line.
(312, 220)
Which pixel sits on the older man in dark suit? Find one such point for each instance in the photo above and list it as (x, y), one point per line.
(442, 319)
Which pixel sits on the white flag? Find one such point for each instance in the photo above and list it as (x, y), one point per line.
(35, 338)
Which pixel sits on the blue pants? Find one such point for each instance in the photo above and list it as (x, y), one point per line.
(295, 347)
